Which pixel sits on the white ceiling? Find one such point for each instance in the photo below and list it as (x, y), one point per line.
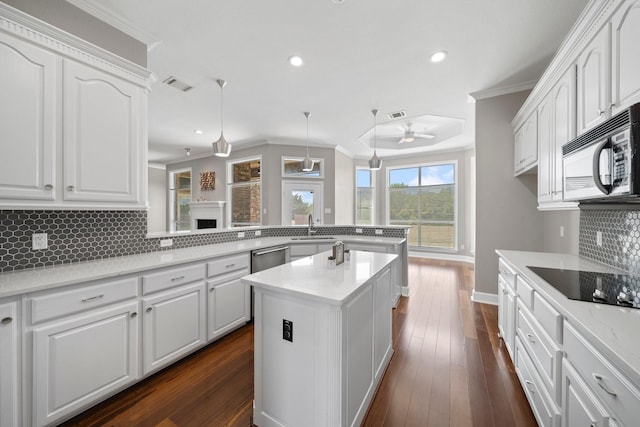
(358, 55)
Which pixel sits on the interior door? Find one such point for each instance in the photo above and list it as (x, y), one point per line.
(299, 199)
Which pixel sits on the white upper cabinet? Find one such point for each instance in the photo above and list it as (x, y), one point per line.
(101, 144)
(526, 145)
(27, 121)
(625, 58)
(74, 126)
(593, 81)
(545, 151)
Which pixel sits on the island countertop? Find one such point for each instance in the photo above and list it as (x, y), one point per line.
(312, 278)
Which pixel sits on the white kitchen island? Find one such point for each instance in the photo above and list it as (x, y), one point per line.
(322, 368)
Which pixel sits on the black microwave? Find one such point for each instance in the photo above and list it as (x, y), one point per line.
(602, 164)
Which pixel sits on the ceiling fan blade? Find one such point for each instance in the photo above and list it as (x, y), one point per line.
(402, 140)
(424, 135)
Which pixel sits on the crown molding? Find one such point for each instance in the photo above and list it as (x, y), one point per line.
(40, 33)
(98, 10)
(503, 90)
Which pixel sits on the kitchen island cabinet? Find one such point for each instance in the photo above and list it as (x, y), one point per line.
(322, 339)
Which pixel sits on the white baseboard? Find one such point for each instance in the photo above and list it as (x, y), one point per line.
(484, 298)
(404, 291)
(443, 255)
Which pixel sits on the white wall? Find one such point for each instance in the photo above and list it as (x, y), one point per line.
(506, 207)
(345, 189)
(157, 213)
(570, 222)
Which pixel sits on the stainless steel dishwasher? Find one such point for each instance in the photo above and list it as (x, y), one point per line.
(263, 259)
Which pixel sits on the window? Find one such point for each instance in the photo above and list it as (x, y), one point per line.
(292, 168)
(179, 199)
(424, 197)
(365, 197)
(244, 192)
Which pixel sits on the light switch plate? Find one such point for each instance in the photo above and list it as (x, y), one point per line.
(240, 234)
(378, 231)
(359, 230)
(258, 232)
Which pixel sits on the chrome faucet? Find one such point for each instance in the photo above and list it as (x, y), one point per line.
(309, 231)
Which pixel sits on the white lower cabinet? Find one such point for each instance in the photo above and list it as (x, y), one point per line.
(229, 307)
(78, 360)
(9, 365)
(173, 325)
(381, 324)
(579, 406)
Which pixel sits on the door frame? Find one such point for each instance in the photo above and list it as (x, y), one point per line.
(304, 185)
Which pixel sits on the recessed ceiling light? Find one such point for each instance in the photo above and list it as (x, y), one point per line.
(198, 131)
(295, 60)
(438, 56)
(338, 1)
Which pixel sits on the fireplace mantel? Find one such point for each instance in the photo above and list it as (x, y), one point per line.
(207, 210)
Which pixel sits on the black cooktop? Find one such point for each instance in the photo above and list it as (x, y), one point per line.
(604, 288)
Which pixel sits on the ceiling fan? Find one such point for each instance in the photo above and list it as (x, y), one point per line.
(409, 134)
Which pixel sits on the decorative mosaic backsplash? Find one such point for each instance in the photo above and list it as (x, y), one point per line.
(75, 236)
(620, 248)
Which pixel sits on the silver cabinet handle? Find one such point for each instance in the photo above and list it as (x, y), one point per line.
(529, 385)
(134, 315)
(70, 188)
(6, 320)
(48, 187)
(149, 310)
(93, 298)
(212, 289)
(600, 380)
(230, 265)
(531, 338)
(613, 104)
(600, 112)
(174, 279)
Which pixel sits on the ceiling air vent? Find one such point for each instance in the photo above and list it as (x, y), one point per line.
(173, 82)
(396, 115)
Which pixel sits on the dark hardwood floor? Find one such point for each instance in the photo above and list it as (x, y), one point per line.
(449, 369)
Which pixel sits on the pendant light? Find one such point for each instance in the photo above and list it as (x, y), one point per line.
(307, 163)
(374, 162)
(221, 147)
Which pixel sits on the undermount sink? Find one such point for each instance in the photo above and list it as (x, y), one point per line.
(314, 238)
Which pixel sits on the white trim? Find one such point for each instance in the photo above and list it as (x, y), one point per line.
(404, 291)
(156, 166)
(97, 10)
(320, 161)
(374, 188)
(503, 90)
(484, 297)
(443, 255)
(171, 197)
(40, 33)
(317, 186)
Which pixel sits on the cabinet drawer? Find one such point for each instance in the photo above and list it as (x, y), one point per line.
(548, 317)
(507, 273)
(525, 292)
(542, 350)
(227, 264)
(165, 279)
(611, 387)
(546, 412)
(61, 303)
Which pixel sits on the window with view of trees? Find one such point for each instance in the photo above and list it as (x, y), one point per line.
(244, 192)
(365, 197)
(423, 197)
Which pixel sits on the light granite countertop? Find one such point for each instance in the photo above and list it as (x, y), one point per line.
(22, 282)
(311, 278)
(614, 331)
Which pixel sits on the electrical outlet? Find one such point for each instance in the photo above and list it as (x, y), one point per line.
(287, 330)
(378, 231)
(258, 232)
(359, 230)
(165, 243)
(39, 241)
(599, 238)
(240, 234)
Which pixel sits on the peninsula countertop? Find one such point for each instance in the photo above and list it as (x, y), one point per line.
(312, 278)
(614, 329)
(21, 282)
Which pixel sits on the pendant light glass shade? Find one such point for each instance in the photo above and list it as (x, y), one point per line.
(307, 163)
(221, 147)
(374, 162)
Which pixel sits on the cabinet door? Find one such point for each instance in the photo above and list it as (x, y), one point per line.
(229, 307)
(530, 141)
(27, 121)
(625, 57)
(502, 308)
(564, 125)
(518, 162)
(579, 406)
(173, 325)
(510, 321)
(593, 81)
(9, 374)
(381, 323)
(545, 150)
(81, 359)
(102, 144)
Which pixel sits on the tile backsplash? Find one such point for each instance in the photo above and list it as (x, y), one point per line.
(620, 229)
(75, 236)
